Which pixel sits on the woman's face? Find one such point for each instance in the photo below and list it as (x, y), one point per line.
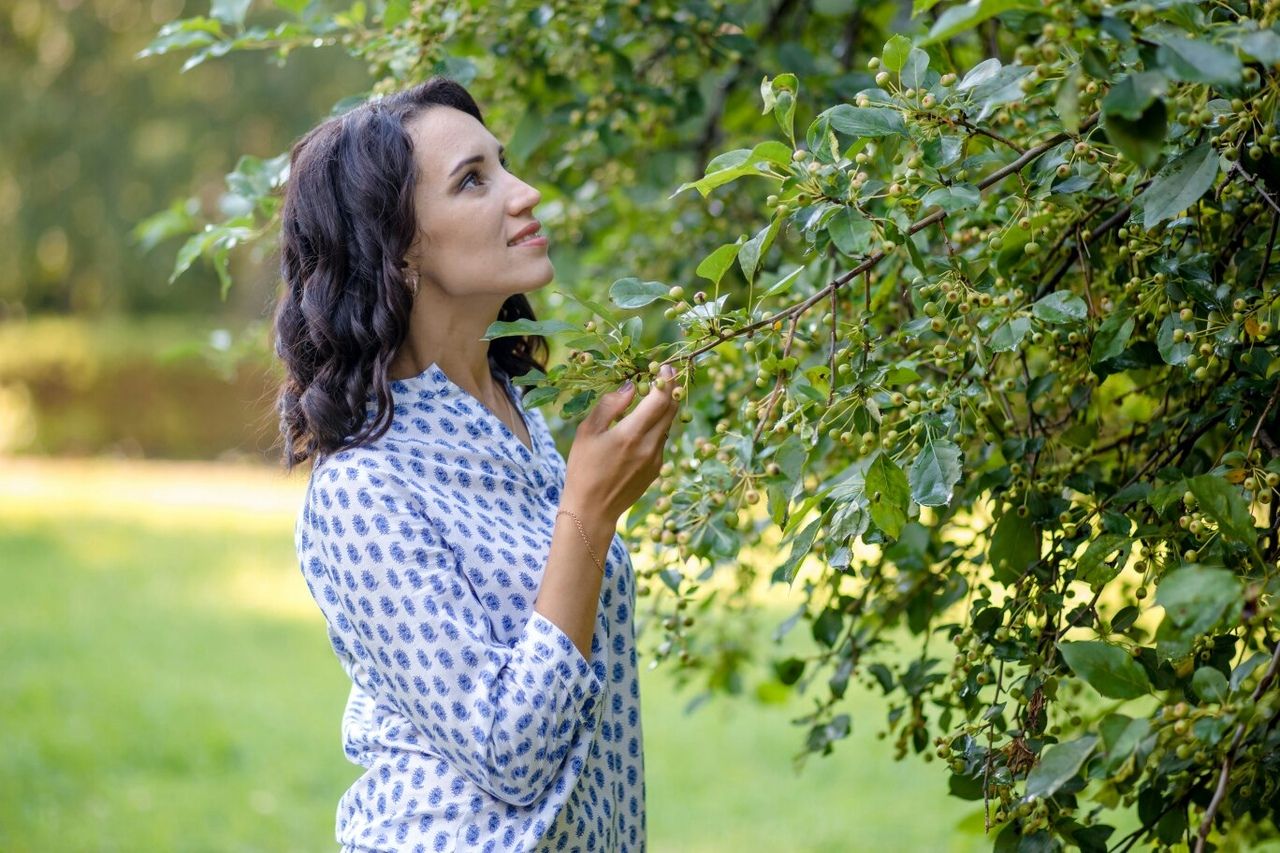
(471, 211)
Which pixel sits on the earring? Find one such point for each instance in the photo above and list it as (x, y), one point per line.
(412, 279)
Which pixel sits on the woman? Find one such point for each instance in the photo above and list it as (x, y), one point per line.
(473, 585)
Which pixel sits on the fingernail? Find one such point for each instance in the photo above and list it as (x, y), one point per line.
(667, 371)
(627, 386)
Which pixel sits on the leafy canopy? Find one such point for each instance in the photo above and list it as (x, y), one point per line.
(975, 331)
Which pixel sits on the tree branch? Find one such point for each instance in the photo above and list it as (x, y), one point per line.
(876, 257)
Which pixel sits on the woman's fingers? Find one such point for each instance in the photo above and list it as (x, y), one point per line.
(655, 412)
(611, 405)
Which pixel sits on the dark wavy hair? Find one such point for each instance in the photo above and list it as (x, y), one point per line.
(348, 221)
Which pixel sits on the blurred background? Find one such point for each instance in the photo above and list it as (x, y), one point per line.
(167, 684)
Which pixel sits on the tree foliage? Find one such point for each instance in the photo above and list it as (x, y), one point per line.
(975, 319)
(93, 140)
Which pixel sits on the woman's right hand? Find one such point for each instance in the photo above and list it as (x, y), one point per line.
(611, 465)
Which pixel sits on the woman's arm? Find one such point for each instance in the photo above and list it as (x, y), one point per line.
(570, 591)
(608, 469)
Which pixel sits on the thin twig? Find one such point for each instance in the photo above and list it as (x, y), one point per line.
(1111, 222)
(1257, 185)
(1081, 249)
(777, 385)
(973, 128)
(1225, 776)
(1262, 417)
(831, 388)
(1266, 263)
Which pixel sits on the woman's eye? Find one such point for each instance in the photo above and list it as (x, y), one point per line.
(469, 177)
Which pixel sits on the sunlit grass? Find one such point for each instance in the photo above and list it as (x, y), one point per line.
(168, 686)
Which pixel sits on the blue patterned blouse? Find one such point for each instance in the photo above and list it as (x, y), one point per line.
(478, 722)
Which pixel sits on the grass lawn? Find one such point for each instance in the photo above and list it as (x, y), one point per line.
(168, 686)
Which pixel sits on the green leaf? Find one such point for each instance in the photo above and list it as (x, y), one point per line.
(963, 17)
(1109, 669)
(985, 70)
(395, 12)
(577, 404)
(850, 498)
(525, 326)
(1199, 61)
(178, 218)
(531, 130)
(896, 49)
(785, 112)
(1060, 308)
(633, 293)
(851, 232)
(1130, 97)
(953, 198)
(779, 95)
(826, 628)
(1262, 45)
(1009, 334)
(716, 264)
(888, 494)
(1126, 738)
(540, 396)
(783, 284)
(1059, 765)
(862, 122)
(530, 377)
(194, 247)
(801, 545)
(1195, 597)
(789, 670)
(1180, 184)
(1224, 503)
(913, 73)
(183, 34)
(1068, 102)
(739, 163)
(1174, 353)
(1092, 568)
(1140, 139)
(1112, 337)
(1210, 684)
(935, 473)
(756, 248)
(1015, 545)
(230, 11)
(1135, 118)
(1241, 672)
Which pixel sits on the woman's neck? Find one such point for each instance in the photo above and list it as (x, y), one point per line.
(449, 333)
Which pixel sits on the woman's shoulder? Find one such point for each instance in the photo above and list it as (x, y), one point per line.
(371, 466)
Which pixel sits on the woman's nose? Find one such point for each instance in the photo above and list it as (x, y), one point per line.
(524, 197)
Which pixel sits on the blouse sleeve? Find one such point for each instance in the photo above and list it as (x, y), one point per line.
(401, 609)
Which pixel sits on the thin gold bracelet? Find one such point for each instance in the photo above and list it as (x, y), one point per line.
(592, 551)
